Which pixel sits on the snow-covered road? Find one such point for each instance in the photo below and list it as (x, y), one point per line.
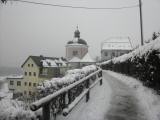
(124, 103)
(119, 98)
(95, 108)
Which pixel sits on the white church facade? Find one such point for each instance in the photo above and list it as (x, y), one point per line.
(77, 52)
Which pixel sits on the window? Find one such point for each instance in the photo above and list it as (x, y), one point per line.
(25, 73)
(44, 71)
(18, 83)
(75, 53)
(113, 54)
(25, 92)
(106, 54)
(30, 93)
(34, 73)
(34, 84)
(11, 82)
(28, 65)
(30, 73)
(25, 83)
(32, 65)
(30, 83)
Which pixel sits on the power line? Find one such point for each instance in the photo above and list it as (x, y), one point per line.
(77, 7)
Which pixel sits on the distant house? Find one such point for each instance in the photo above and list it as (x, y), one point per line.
(36, 69)
(115, 47)
(77, 52)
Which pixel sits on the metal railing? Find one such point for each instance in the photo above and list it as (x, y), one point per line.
(65, 99)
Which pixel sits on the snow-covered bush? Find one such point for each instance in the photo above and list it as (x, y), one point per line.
(15, 110)
(50, 86)
(142, 63)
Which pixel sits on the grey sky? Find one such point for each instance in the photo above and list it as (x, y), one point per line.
(27, 29)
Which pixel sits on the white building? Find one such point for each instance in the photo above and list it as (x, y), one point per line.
(35, 70)
(77, 52)
(76, 47)
(114, 47)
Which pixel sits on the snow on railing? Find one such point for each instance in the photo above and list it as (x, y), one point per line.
(65, 99)
(139, 52)
(50, 86)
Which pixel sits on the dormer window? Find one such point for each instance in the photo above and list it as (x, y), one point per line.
(32, 65)
(28, 65)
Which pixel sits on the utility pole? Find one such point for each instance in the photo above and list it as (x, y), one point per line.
(141, 20)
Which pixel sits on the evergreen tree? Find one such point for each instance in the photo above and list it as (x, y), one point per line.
(3, 1)
(154, 36)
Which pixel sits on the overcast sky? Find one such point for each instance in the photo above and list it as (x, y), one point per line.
(28, 29)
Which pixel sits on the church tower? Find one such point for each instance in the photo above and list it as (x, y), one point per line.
(76, 47)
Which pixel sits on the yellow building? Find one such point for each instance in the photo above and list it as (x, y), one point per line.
(36, 69)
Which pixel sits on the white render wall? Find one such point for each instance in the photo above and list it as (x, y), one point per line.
(81, 49)
(112, 53)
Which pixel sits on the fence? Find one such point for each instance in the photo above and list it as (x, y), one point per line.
(65, 99)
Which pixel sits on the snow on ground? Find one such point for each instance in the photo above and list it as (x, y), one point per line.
(95, 108)
(149, 100)
(4, 91)
(14, 110)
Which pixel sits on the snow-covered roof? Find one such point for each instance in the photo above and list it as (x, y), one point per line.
(117, 43)
(63, 62)
(75, 59)
(42, 61)
(142, 50)
(87, 58)
(15, 77)
(49, 63)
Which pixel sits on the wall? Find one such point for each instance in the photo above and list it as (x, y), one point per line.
(110, 54)
(82, 50)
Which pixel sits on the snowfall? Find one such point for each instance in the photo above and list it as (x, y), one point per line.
(100, 103)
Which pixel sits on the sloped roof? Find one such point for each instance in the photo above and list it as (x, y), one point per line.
(80, 41)
(87, 58)
(117, 43)
(49, 63)
(75, 60)
(42, 61)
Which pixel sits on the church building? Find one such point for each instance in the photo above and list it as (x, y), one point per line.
(77, 51)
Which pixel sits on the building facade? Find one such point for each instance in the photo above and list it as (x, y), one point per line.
(114, 47)
(77, 47)
(77, 52)
(36, 69)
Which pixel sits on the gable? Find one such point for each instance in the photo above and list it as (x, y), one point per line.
(30, 61)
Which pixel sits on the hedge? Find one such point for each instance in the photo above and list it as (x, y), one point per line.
(142, 63)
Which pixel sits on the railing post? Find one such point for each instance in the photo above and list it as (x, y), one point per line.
(63, 100)
(101, 81)
(88, 93)
(46, 112)
(69, 97)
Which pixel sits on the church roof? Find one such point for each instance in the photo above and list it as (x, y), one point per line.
(87, 58)
(117, 43)
(75, 60)
(80, 41)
